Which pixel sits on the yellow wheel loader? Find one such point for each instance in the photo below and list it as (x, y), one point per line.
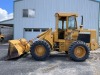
(67, 37)
(1, 37)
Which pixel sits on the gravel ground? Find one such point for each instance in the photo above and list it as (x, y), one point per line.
(57, 64)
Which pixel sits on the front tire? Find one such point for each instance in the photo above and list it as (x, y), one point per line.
(78, 51)
(40, 50)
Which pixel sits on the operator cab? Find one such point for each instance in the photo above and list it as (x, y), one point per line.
(65, 24)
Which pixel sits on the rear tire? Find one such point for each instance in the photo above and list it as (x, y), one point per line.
(44, 50)
(79, 51)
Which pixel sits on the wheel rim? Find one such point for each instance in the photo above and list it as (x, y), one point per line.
(40, 50)
(79, 51)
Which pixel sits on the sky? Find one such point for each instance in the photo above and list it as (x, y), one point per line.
(6, 9)
(97, 0)
(7, 5)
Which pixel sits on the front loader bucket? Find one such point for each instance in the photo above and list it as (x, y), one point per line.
(17, 48)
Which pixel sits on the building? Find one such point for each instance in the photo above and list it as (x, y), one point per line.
(32, 17)
(7, 29)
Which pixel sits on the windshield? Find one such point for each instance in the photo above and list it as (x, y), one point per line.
(71, 22)
(62, 23)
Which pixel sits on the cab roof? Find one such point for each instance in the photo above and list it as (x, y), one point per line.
(66, 14)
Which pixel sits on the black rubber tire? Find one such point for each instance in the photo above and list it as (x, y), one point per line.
(47, 53)
(73, 46)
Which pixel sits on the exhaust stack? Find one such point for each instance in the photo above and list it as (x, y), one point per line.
(81, 26)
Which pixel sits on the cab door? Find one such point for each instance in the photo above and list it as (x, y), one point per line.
(62, 26)
(71, 32)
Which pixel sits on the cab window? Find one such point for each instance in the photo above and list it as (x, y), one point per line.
(72, 22)
(62, 23)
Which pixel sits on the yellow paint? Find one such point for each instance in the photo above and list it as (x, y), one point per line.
(40, 50)
(20, 45)
(93, 39)
(1, 36)
(79, 51)
(69, 36)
